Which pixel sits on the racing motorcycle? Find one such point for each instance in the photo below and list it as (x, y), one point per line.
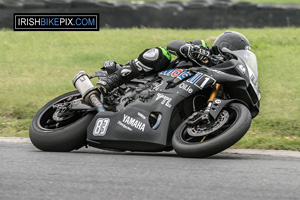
(198, 111)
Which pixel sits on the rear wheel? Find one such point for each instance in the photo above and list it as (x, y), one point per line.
(55, 128)
(230, 126)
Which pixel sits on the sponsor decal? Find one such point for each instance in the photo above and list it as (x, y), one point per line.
(200, 80)
(218, 101)
(179, 73)
(124, 126)
(141, 66)
(186, 87)
(101, 126)
(253, 79)
(204, 82)
(165, 100)
(241, 68)
(157, 85)
(141, 115)
(195, 78)
(127, 120)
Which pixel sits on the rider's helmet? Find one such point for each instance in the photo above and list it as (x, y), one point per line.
(232, 41)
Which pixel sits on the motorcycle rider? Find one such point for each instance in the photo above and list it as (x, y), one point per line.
(156, 59)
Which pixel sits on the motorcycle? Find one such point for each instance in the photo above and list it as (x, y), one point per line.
(198, 111)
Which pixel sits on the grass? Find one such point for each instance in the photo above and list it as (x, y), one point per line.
(38, 66)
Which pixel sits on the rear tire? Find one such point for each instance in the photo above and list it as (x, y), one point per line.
(218, 140)
(65, 138)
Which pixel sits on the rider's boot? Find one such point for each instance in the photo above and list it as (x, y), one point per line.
(119, 77)
(149, 61)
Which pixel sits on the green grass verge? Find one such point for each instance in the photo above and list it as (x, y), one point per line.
(38, 66)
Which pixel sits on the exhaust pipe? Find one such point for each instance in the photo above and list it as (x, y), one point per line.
(88, 91)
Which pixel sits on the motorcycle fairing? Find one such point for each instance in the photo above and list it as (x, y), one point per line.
(237, 79)
(130, 127)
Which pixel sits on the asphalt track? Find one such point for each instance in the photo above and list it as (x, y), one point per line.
(27, 173)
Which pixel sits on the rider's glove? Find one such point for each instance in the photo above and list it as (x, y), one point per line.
(108, 83)
(200, 52)
(111, 66)
(195, 52)
(104, 85)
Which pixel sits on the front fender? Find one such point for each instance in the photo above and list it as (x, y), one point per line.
(219, 104)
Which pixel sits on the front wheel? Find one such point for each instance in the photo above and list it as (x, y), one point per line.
(55, 128)
(231, 125)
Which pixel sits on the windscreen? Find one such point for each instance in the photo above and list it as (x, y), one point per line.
(249, 58)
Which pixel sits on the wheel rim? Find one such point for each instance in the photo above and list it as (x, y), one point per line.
(52, 118)
(187, 138)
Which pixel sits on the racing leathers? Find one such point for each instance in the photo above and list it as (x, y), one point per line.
(151, 61)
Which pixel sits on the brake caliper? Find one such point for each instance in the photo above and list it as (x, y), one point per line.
(198, 117)
(62, 112)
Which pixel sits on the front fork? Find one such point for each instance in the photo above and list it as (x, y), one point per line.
(213, 95)
(203, 116)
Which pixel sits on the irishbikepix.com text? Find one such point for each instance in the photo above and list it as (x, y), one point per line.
(56, 22)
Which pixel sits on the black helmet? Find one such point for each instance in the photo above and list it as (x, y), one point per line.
(232, 41)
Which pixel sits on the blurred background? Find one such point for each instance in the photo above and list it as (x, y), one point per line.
(166, 14)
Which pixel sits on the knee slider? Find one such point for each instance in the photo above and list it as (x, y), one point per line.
(153, 60)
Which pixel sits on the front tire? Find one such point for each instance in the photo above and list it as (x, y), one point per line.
(66, 135)
(213, 143)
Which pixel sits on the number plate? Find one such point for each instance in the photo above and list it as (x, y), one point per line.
(101, 126)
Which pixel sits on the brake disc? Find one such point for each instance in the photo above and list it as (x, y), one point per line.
(198, 130)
